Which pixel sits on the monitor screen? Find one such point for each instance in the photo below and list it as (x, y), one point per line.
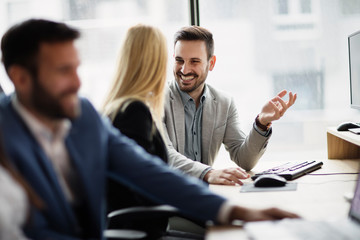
(354, 67)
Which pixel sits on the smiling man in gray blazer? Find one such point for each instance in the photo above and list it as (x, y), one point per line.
(199, 118)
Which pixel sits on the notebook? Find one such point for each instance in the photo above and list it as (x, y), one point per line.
(292, 170)
(298, 229)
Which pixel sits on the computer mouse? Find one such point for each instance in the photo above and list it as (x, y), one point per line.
(345, 126)
(270, 180)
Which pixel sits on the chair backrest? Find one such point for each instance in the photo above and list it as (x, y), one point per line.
(124, 234)
(151, 220)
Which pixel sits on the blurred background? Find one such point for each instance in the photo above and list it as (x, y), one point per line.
(262, 47)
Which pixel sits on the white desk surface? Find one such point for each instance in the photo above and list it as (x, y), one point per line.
(346, 135)
(317, 196)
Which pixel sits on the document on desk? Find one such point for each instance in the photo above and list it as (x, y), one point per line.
(249, 187)
(297, 229)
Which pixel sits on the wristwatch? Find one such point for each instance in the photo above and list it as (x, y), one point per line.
(261, 126)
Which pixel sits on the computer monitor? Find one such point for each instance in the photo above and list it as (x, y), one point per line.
(354, 69)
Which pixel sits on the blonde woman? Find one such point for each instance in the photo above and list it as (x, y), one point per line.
(135, 101)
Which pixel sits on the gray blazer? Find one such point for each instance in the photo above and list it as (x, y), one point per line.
(219, 125)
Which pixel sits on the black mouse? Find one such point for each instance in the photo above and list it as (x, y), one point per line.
(270, 180)
(345, 126)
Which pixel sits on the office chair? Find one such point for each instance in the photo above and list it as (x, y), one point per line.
(124, 234)
(143, 223)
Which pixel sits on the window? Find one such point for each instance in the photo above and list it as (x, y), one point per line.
(103, 24)
(305, 6)
(298, 45)
(350, 7)
(283, 7)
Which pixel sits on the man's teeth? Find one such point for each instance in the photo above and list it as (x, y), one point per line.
(187, 78)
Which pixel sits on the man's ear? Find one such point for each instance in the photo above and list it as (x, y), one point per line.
(20, 77)
(212, 62)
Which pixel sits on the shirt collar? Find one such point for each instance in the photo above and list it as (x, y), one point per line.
(185, 97)
(38, 128)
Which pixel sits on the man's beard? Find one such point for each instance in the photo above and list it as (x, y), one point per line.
(49, 105)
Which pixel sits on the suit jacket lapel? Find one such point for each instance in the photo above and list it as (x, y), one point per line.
(78, 166)
(51, 175)
(208, 125)
(49, 171)
(179, 121)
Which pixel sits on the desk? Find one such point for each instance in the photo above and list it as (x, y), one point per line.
(317, 196)
(342, 145)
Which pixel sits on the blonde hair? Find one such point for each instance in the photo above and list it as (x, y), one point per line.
(141, 72)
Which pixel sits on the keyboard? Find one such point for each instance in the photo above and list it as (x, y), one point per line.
(292, 170)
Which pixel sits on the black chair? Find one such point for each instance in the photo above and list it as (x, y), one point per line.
(124, 234)
(144, 223)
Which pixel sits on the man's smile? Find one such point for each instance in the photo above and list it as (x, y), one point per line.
(188, 78)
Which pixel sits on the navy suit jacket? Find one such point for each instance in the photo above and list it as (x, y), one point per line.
(97, 150)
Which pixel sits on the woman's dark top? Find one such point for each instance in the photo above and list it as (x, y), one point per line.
(135, 121)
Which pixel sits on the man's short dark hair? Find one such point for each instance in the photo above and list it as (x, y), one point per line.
(193, 33)
(20, 44)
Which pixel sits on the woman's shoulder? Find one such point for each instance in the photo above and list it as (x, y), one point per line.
(133, 109)
(134, 106)
(134, 103)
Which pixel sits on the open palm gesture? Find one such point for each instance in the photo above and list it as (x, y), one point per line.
(276, 107)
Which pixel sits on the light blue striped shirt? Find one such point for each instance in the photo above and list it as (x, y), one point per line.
(193, 121)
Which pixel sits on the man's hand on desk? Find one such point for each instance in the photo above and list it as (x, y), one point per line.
(249, 214)
(227, 176)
